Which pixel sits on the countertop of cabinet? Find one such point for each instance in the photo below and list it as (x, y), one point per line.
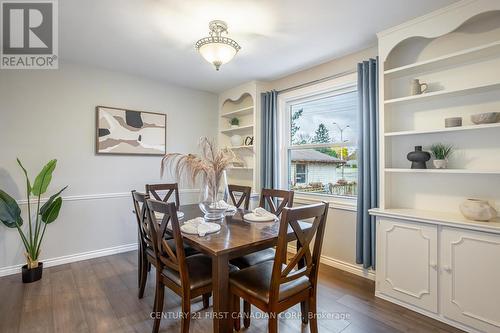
(440, 218)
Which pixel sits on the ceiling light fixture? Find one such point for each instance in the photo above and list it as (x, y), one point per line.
(216, 49)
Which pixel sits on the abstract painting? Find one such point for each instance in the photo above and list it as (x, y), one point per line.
(121, 131)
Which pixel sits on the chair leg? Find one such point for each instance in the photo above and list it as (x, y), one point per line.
(304, 310)
(139, 270)
(235, 312)
(159, 296)
(273, 323)
(247, 308)
(313, 321)
(186, 314)
(143, 276)
(206, 301)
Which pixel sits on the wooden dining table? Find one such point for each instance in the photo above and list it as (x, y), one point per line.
(236, 237)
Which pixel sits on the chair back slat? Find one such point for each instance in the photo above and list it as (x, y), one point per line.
(304, 262)
(171, 257)
(140, 210)
(244, 193)
(154, 191)
(271, 197)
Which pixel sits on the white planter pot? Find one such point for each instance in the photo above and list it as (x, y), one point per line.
(236, 140)
(478, 210)
(235, 126)
(440, 164)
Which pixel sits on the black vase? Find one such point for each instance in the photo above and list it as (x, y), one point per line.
(418, 158)
(32, 274)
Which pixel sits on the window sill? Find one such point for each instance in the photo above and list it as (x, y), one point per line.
(336, 202)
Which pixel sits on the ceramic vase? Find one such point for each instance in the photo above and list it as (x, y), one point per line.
(440, 164)
(418, 158)
(236, 140)
(478, 210)
(418, 88)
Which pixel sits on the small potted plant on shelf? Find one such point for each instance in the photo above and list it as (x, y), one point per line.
(235, 122)
(10, 215)
(441, 152)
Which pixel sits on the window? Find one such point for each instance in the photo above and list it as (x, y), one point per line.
(321, 142)
(300, 173)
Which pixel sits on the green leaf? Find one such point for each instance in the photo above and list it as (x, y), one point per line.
(43, 179)
(28, 184)
(10, 213)
(51, 199)
(52, 211)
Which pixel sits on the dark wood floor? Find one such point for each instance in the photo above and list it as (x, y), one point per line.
(100, 295)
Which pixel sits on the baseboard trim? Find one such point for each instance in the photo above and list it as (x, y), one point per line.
(73, 258)
(342, 265)
(348, 267)
(427, 313)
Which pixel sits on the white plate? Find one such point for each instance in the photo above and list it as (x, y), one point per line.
(208, 228)
(254, 218)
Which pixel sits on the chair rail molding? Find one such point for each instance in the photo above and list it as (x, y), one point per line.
(98, 196)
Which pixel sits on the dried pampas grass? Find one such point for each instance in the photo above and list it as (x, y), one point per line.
(209, 167)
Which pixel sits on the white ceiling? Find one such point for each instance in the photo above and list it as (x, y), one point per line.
(155, 38)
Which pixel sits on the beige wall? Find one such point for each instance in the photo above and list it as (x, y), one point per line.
(47, 114)
(339, 247)
(326, 69)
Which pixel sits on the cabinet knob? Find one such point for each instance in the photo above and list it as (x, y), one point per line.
(447, 268)
(433, 265)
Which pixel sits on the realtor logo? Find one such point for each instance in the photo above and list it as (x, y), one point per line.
(29, 34)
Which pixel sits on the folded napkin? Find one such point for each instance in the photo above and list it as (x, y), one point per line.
(199, 226)
(261, 212)
(223, 204)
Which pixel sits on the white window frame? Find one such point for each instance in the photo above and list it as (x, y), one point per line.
(337, 86)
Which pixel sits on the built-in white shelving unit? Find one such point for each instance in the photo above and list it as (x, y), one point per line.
(444, 130)
(238, 113)
(240, 129)
(444, 171)
(241, 102)
(454, 58)
(430, 258)
(445, 93)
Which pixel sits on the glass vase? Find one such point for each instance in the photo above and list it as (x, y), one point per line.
(213, 196)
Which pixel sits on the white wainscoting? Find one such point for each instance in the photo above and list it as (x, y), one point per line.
(90, 226)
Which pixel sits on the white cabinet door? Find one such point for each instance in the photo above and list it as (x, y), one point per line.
(407, 262)
(470, 278)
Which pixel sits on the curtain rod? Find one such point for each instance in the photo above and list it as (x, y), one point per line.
(310, 83)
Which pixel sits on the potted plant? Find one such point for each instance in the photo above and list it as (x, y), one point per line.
(10, 215)
(235, 122)
(441, 152)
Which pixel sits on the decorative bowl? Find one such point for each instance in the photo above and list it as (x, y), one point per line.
(485, 118)
(478, 210)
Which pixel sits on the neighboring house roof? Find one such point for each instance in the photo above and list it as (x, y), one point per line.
(311, 155)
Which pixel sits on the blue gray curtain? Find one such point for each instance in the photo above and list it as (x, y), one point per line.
(269, 156)
(367, 161)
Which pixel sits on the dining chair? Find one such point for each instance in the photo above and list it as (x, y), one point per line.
(275, 286)
(243, 192)
(275, 200)
(146, 254)
(271, 197)
(173, 188)
(187, 276)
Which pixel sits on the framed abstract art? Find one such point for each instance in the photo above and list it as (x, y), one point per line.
(130, 132)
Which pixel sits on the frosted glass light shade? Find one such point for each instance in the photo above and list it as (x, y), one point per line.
(217, 53)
